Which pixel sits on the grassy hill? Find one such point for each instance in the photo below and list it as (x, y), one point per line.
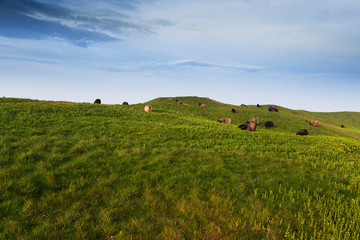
(85, 171)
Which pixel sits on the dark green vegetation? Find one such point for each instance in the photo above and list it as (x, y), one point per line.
(85, 171)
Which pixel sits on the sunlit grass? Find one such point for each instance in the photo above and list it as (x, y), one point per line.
(84, 171)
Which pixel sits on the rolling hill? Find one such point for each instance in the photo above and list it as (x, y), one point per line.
(85, 171)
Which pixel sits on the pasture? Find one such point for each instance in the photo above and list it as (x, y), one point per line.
(97, 171)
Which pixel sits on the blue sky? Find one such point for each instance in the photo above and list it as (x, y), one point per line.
(298, 54)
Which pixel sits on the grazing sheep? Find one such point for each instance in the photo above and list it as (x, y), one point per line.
(125, 103)
(97, 101)
(342, 125)
(314, 123)
(177, 102)
(254, 119)
(273, 108)
(202, 105)
(249, 126)
(302, 132)
(148, 108)
(258, 105)
(233, 110)
(269, 124)
(243, 105)
(225, 120)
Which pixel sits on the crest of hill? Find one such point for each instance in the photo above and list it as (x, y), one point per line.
(189, 101)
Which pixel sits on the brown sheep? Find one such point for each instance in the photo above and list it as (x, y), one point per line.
(342, 125)
(177, 102)
(314, 123)
(254, 119)
(273, 108)
(233, 110)
(97, 101)
(148, 108)
(302, 132)
(269, 124)
(249, 126)
(225, 120)
(202, 105)
(125, 103)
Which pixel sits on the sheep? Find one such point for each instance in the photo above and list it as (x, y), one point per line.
(273, 108)
(254, 119)
(302, 132)
(125, 103)
(314, 123)
(148, 108)
(269, 124)
(251, 126)
(225, 120)
(202, 105)
(97, 101)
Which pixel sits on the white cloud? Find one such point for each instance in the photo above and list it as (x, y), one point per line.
(284, 51)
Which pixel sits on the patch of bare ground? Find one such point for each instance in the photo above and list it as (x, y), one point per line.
(341, 130)
(337, 129)
(352, 134)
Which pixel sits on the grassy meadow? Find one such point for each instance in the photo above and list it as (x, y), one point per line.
(86, 171)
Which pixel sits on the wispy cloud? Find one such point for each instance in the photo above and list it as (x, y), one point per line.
(194, 63)
(31, 19)
(136, 66)
(27, 59)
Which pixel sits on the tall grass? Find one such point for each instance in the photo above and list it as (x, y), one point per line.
(84, 171)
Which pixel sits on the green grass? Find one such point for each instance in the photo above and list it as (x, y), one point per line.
(85, 171)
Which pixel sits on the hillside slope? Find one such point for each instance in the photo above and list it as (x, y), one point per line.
(286, 120)
(85, 171)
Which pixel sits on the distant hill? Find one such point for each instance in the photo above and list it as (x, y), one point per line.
(286, 120)
(98, 171)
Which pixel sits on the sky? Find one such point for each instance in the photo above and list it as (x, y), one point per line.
(299, 54)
